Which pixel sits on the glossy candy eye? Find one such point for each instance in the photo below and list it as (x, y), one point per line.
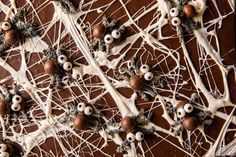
(181, 113)
(67, 66)
(6, 26)
(144, 68)
(130, 137)
(174, 12)
(81, 106)
(16, 99)
(4, 154)
(88, 110)
(62, 59)
(115, 34)
(148, 76)
(175, 21)
(188, 108)
(108, 39)
(139, 136)
(16, 107)
(3, 147)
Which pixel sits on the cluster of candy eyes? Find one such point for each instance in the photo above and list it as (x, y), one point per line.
(131, 137)
(6, 26)
(16, 100)
(87, 110)
(181, 112)
(174, 12)
(62, 59)
(145, 69)
(3, 148)
(115, 34)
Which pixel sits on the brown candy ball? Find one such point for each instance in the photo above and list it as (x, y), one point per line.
(190, 123)
(4, 107)
(181, 104)
(136, 83)
(80, 122)
(51, 67)
(128, 124)
(11, 37)
(189, 11)
(99, 31)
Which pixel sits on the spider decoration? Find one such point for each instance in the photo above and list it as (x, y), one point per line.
(15, 31)
(12, 104)
(58, 64)
(182, 16)
(107, 35)
(189, 117)
(142, 80)
(10, 149)
(67, 6)
(87, 118)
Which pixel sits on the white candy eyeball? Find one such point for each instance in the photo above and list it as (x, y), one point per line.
(81, 106)
(108, 39)
(115, 34)
(4, 154)
(3, 147)
(188, 108)
(148, 76)
(174, 12)
(130, 137)
(88, 110)
(175, 21)
(16, 99)
(144, 68)
(6, 26)
(181, 113)
(67, 66)
(16, 107)
(139, 136)
(62, 59)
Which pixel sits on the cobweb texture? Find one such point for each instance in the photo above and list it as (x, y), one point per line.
(199, 63)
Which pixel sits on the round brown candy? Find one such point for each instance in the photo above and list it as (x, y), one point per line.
(4, 106)
(128, 124)
(181, 104)
(136, 83)
(51, 67)
(189, 11)
(11, 37)
(99, 31)
(190, 123)
(80, 122)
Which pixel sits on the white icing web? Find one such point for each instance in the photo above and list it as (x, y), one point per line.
(50, 118)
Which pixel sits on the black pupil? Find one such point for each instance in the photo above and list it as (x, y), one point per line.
(108, 39)
(173, 11)
(141, 136)
(117, 33)
(179, 113)
(90, 111)
(130, 138)
(80, 106)
(175, 21)
(62, 58)
(15, 108)
(149, 77)
(144, 67)
(17, 98)
(189, 108)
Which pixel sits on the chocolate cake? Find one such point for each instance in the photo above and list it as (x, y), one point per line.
(117, 78)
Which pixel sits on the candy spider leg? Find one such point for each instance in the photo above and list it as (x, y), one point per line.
(28, 30)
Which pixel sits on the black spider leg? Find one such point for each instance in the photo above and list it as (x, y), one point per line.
(19, 16)
(50, 53)
(67, 6)
(108, 23)
(3, 46)
(27, 30)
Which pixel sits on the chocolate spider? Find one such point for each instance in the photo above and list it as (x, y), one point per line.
(15, 31)
(87, 118)
(58, 64)
(142, 80)
(107, 35)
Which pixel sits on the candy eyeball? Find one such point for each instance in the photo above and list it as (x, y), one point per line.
(88, 111)
(81, 106)
(115, 34)
(62, 59)
(144, 68)
(148, 76)
(4, 154)
(139, 136)
(108, 39)
(174, 12)
(181, 113)
(130, 137)
(16, 99)
(175, 21)
(6, 26)
(188, 108)
(3, 147)
(15, 107)
(67, 66)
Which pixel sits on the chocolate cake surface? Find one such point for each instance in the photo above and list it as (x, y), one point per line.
(117, 78)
